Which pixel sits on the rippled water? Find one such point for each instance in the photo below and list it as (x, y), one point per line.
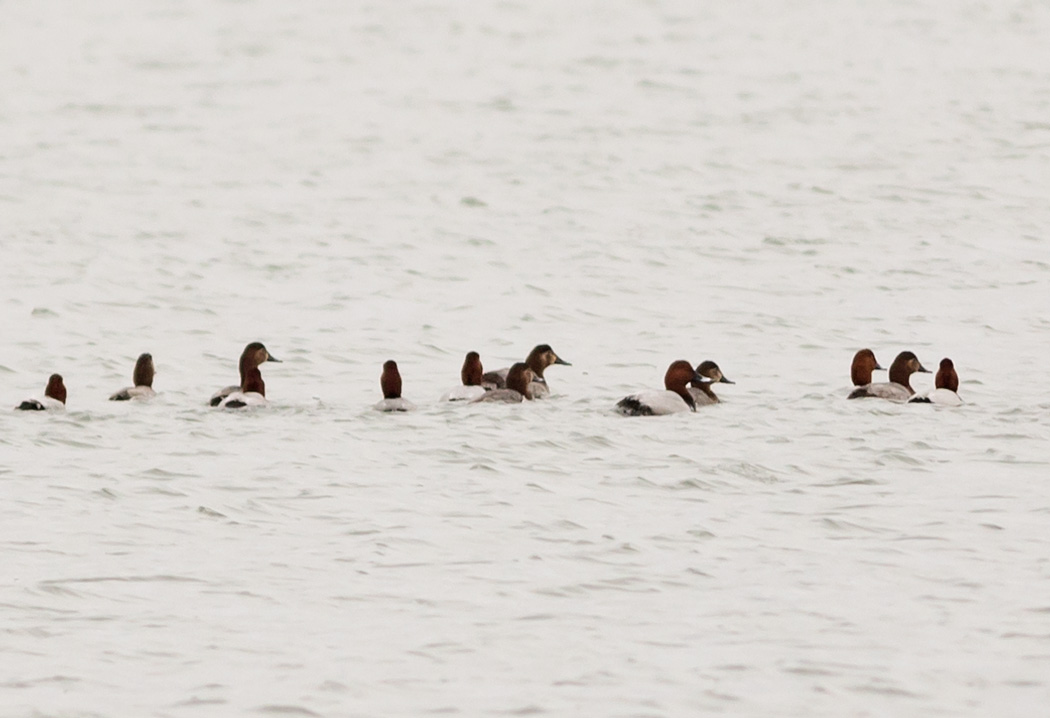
(772, 186)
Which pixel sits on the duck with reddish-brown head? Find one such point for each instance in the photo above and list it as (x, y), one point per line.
(541, 357)
(470, 376)
(143, 380)
(864, 363)
(675, 398)
(516, 390)
(390, 383)
(898, 388)
(251, 394)
(946, 387)
(252, 357)
(703, 393)
(54, 398)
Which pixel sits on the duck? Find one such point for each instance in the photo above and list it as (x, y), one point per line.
(470, 375)
(253, 355)
(675, 399)
(864, 363)
(252, 392)
(703, 394)
(899, 387)
(946, 382)
(516, 386)
(142, 379)
(390, 382)
(54, 397)
(541, 357)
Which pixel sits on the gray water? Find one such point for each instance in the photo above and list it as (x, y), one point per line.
(769, 185)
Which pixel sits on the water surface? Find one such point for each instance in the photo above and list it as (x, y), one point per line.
(769, 186)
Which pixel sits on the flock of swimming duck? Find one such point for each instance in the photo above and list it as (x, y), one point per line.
(685, 387)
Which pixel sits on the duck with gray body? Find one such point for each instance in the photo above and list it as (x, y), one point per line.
(470, 376)
(675, 398)
(703, 394)
(253, 355)
(142, 378)
(519, 377)
(898, 389)
(541, 357)
(54, 397)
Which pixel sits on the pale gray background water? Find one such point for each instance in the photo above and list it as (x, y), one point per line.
(770, 185)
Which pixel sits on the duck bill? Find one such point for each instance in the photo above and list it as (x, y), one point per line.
(723, 380)
(559, 360)
(271, 357)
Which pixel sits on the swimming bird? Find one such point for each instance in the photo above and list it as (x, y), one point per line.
(142, 378)
(516, 387)
(899, 387)
(703, 393)
(946, 383)
(251, 394)
(470, 376)
(54, 397)
(676, 397)
(541, 357)
(253, 355)
(390, 382)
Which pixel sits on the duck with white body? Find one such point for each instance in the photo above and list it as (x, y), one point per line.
(675, 399)
(142, 378)
(54, 398)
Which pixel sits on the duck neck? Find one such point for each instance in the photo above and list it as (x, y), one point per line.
(471, 374)
(947, 379)
(518, 379)
(536, 363)
(143, 374)
(253, 382)
(901, 374)
(245, 366)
